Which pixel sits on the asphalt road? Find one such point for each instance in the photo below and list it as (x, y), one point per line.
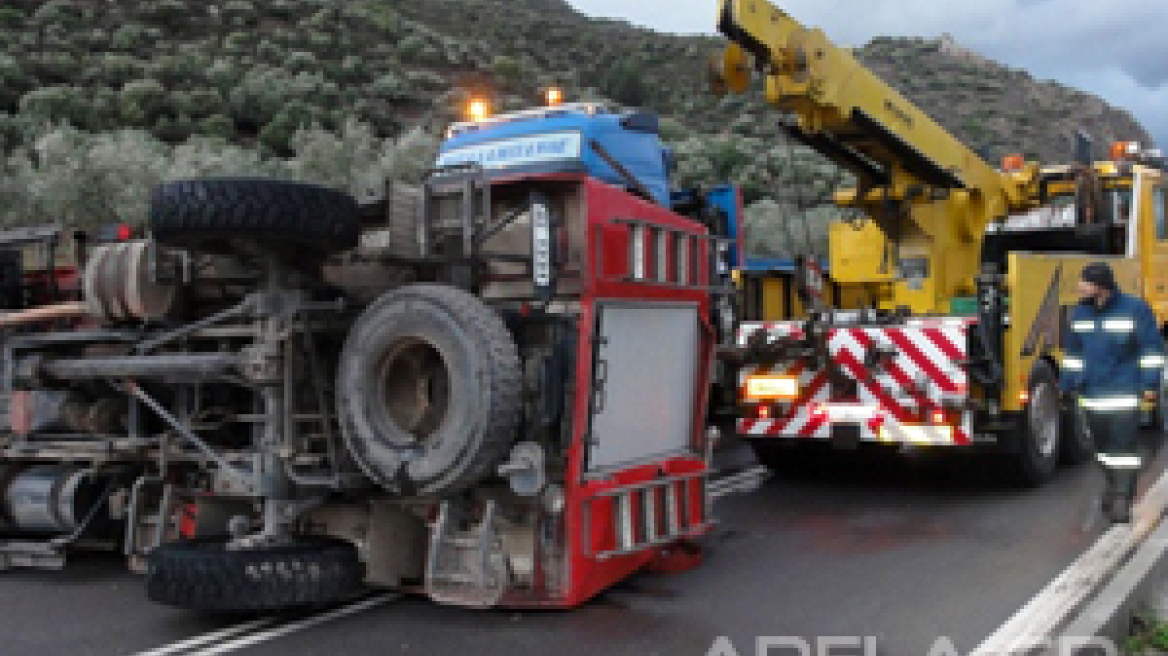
(904, 549)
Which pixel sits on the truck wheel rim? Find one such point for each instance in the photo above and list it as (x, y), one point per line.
(1044, 420)
(415, 387)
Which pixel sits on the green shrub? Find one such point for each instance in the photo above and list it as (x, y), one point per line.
(56, 103)
(223, 73)
(113, 68)
(198, 103)
(53, 67)
(282, 8)
(130, 37)
(171, 13)
(238, 42)
(301, 61)
(270, 51)
(59, 12)
(410, 47)
(217, 125)
(294, 117)
(13, 81)
(11, 17)
(178, 70)
(240, 13)
(143, 101)
(623, 83)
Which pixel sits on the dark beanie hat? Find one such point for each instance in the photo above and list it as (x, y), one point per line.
(1098, 273)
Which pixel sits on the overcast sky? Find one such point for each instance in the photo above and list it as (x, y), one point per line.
(1117, 49)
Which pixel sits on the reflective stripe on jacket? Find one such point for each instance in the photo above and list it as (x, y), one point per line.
(1114, 350)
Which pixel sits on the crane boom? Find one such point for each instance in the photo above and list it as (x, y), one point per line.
(927, 191)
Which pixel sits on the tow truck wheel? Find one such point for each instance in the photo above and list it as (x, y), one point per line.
(428, 390)
(206, 575)
(1160, 415)
(1037, 455)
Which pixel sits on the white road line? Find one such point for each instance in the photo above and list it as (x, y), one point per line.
(1045, 614)
(213, 636)
(240, 636)
(292, 627)
(747, 475)
(742, 481)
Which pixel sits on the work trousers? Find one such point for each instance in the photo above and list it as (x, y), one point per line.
(1116, 436)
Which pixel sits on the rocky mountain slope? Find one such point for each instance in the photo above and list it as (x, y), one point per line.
(227, 86)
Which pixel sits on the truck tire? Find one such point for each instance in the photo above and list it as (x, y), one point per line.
(205, 575)
(211, 213)
(1077, 446)
(428, 389)
(772, 455)
(1161, 419)
(1037, 456)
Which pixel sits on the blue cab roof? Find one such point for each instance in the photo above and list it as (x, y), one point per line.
(561, 139)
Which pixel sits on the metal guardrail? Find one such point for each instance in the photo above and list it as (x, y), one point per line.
(1097, 594)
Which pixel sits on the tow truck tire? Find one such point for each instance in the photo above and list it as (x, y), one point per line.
(1160, 413)
(775, 457)
(1037, 456)
(428, 390)
(1077, 446)
(205, 575)
(211, 213)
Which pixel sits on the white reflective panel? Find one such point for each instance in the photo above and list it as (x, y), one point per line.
(625, 531)
(1120, 462)
(541, 245)
(638, 248)
(661, 254)
(1111, 403)
(851, 412)
(1083, 326)
(1071, 363)
(1152, 361)
(1118, 325)
(916, 433)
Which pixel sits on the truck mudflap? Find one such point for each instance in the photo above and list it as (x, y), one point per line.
(903, 383)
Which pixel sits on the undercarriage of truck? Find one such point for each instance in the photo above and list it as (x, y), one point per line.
(279, 396)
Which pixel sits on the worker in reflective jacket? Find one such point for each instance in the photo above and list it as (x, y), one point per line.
(1112, 355)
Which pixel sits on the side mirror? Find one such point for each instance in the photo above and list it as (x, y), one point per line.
(641, 121)
(670, 160)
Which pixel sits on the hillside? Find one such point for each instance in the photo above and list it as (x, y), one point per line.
(99, 100)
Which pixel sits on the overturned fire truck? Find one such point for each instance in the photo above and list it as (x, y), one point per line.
(279, 396)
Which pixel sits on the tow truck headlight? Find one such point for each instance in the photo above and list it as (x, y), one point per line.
(769, 387)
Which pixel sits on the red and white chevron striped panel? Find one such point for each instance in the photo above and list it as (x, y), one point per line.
(896, 402)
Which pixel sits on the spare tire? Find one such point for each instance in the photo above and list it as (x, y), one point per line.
(212, 213)
(206, 575)
(428, 390)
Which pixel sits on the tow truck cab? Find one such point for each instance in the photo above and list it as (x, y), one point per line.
(581, 227)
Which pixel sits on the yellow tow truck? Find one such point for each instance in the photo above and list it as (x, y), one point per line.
(950, 296)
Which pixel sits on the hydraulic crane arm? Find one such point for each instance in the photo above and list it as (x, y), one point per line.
(848, 114)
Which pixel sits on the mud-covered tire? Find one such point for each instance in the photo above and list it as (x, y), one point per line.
(428, 390)
(212, 213)
(1039, 430)
(205, 575)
